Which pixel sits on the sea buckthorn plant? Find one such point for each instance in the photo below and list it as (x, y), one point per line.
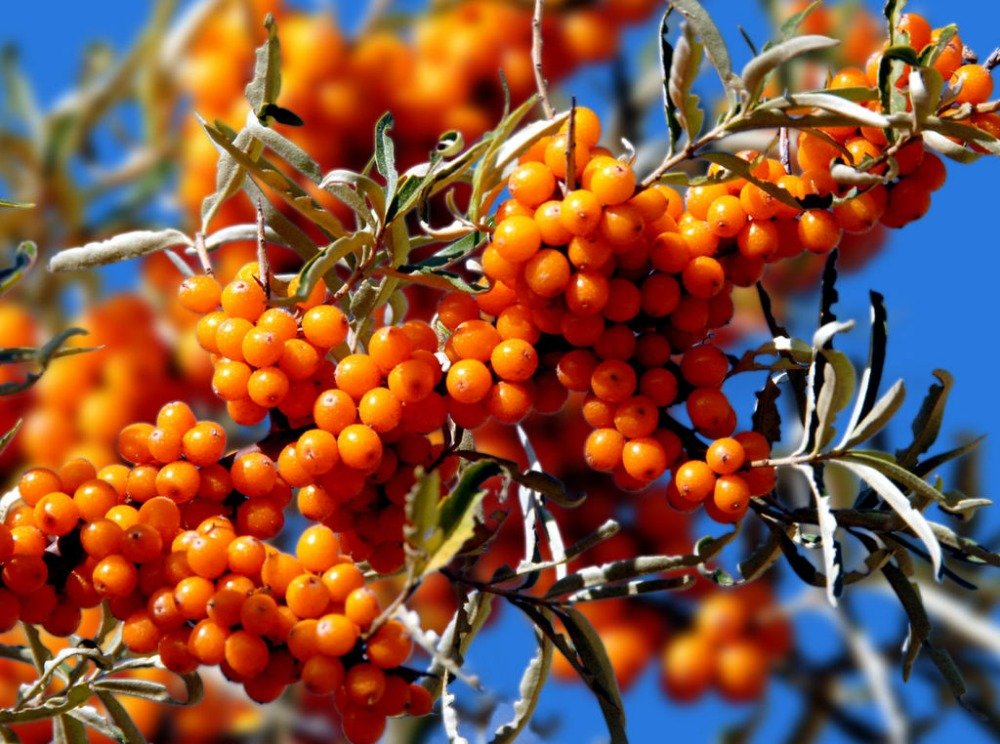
(487, 364)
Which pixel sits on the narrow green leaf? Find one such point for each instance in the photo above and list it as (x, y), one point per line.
(715, 47)
(121, 247)
(833, 566)
(755, 71)
(265, 85)
(927, 423)
(529, 691)
(684, 69)
(871, 474)
(877, 419)
(385, 155)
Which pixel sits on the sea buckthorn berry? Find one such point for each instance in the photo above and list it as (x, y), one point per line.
(390, 646)
(206, 329)
(325, 326)
(580, 212)
(93, 499)
(133, 443)
(199, 293)
(725, 456)
(365, 684)
(819, 231)
(333, 410)
(532, 183)
(908, 200)
(517, 239)
(360, 447)
(622, 226)
(299, 359)
(101, 538)
(704, 366)
(229, 337)
(613, 381)
(917, 28)
(246, 653)
(56, 514)
(731, 496)
(710, 411)
(192, 595)
(261, 347)
(178, 481)
(689, 664)
(204, 443)
(245, 556)
(36, 483)
(24, 574)
(582, 330)
(268, 386)
(175, 416)
(244, 299)
(862, 213)
(931, 173)
(76, 472)
(159, 512)
(700, 198)
(380, 410)
(704, 277)
(113, 576)
(454, 308)
(742, 671)
(548, 220)
(758, 239)
(726, 216)
(644, 459)
(140, 634)
(612, 182)
(603, 449)
(316, 451)
(207, 642)
(356, 374)
(142, 543)
(318, 548)
(259, 614)
(247, 413)
(27, 539)
(636, 417)
(624, 301)
(342, 579)
(336, 635)
(695, 480)
(516, 322)
(315, 297)
(6, 543)
(254, 474)
(575, 369)
(514, 359)
(755, 445)
(389, 346)
(165, 445)
(230, 379)
(10, 610)
(975, 81)
(509, 402)
(469, 381)
(362, 607)
(659, 385)
(321, 674)
(547, 273)
(669, 253)
(280, 322)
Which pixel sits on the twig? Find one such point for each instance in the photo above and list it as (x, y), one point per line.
(199, 247)
(262, 262)
(686, 154)
(784, 149)
(536, 59)
(571, 147)
(374, 16)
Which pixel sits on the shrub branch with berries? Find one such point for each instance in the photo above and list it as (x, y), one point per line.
(566, 285)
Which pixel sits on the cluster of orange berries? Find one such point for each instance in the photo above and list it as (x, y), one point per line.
(174, 544)
(443, 78)
(362, 425)
(724, 481)
(592, 291)
(736, 638)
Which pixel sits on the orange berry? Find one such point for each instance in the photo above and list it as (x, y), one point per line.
(200, 293)
(268, 386)
(178, 481)
(204, 443)
(612, 182)
(532, 183)
(356, 374)
(316, 451)
(742, 671)
(244, 299)
(254, 474)
(380, 410)
(360, 447)
(325, 326)
(336, 635)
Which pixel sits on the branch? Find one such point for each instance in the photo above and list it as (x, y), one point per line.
(536, 59)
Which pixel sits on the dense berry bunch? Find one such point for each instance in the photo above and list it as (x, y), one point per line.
(735, 639)
(174, 544)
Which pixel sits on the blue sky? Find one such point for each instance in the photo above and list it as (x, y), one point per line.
(938, 276)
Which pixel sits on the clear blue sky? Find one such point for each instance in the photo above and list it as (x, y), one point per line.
(938, 276)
